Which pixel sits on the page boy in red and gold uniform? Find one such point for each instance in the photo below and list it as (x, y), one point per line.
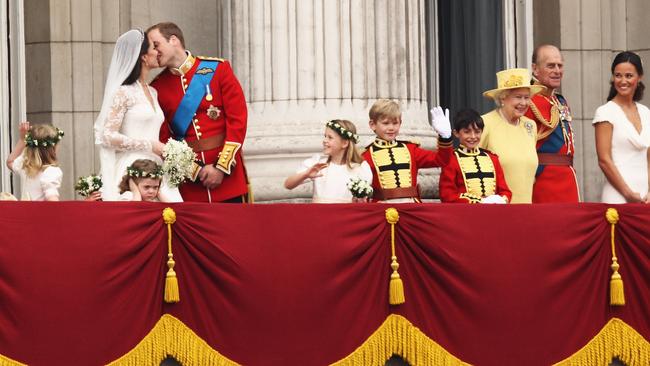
(395, 163)
(473, 175)
(203, 104)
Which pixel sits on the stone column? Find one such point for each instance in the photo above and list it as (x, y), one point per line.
(302, 63)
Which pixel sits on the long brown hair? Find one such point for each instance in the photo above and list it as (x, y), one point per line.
(37, 158)
(351, 154)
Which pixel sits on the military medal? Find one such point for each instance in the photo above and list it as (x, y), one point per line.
(565, 114)
(213, 112)
(208, 94)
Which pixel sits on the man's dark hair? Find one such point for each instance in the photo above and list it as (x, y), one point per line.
(466, 118)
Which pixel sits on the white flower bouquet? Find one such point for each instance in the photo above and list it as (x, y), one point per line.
(360, 188)
(85, 186)
(178, 161)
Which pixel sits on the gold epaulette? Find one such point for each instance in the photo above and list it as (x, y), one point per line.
(211, 58)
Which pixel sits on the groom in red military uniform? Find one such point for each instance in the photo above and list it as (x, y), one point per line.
(555, 179)
(203, 104)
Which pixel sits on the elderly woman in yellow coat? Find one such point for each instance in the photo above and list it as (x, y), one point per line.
(511, 135)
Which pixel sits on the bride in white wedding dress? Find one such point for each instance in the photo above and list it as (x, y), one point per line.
(129, 122)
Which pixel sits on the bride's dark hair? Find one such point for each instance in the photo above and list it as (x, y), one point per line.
(137, 68)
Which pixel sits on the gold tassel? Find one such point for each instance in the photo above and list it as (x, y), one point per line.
(171, 281)
(396, 287)
(616, 292)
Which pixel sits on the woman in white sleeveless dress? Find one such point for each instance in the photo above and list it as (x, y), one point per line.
(129, 122)
(623, 134)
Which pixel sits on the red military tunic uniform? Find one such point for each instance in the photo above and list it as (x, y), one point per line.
(555, 179)
(472, 175)
(395, 166)
(217, 130)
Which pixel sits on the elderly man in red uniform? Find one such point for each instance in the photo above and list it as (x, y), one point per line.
(555, 180)
(203, 104)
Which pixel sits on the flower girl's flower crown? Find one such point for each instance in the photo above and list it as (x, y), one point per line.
(44, 142)
(342, 131)
(137, 173)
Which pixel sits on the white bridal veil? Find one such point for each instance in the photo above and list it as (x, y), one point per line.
(125, 55)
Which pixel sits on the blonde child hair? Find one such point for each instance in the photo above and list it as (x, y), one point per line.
(384, 108)
(347, 130)
(139, 170)
(40, 148)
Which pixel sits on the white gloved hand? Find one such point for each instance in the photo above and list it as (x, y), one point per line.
(440, 122)
(493, 199)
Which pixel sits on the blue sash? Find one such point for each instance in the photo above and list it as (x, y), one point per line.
(555, 140)
(193, 96)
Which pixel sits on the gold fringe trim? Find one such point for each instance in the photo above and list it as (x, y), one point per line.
(170, 337)
(616, 339)
(398, 336)
(6, 361)
(396, 286)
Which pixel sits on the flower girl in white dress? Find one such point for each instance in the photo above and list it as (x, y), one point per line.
(34, 160)
(128, 124)
(340, 163)
(142, 182)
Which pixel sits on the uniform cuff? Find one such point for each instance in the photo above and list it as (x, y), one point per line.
(445, 142)
(196, 168)
(470, 197)
(226, 159)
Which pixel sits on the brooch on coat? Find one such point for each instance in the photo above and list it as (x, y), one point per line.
(529, 128)
(213, 112)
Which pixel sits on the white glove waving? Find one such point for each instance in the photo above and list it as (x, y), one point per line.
(493, 199)
(440, 122)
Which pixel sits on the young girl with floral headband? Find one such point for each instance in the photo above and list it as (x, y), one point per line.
(142, 182)
(34, 160)
(338, 166)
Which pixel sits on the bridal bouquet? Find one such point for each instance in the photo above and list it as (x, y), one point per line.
(178, 161)
(359, 188)
(87, 185)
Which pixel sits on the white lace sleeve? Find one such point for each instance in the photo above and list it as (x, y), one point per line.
(111, 137)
